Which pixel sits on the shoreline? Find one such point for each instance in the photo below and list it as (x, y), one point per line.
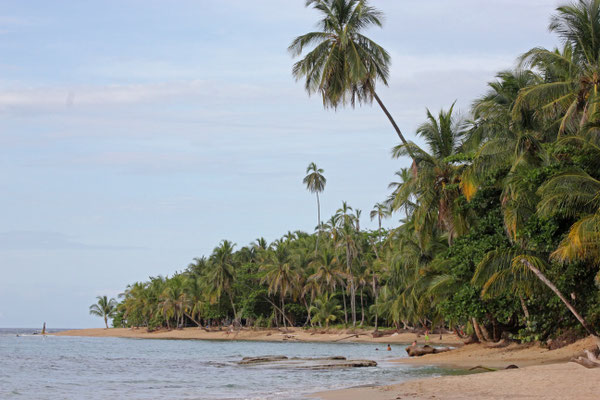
(542, 374)
(268, 335)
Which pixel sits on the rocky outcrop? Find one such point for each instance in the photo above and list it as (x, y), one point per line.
(307, 363)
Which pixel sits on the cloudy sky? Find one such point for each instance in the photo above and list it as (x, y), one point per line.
(137, 134)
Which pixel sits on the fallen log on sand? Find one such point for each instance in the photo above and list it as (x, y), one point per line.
(417, 351)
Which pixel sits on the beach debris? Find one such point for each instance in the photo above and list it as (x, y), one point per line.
(307, 362)
(347, 337)
(590, 361)
(418, 351)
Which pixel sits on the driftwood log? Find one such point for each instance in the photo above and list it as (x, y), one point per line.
(417, 351)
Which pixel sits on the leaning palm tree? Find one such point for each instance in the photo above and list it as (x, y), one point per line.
(315, 183)
(343, 65)
(104, 308)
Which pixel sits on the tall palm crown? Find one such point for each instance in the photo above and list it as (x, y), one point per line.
(315, 183)
(343, 65)
(570, 90)
(314, 180)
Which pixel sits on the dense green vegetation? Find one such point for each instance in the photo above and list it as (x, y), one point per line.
(499, 229)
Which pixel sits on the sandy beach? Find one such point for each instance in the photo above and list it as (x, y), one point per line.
(271, 335)
(542, 374)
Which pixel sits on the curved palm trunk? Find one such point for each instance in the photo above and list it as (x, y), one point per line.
(387, 114)
(477, 330)
(557, 292)
(233, 307)
(283, 312)
(106, 321)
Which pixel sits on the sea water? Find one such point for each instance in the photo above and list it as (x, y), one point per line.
(61, 367)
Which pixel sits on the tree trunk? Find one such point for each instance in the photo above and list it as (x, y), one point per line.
(362, 308)
(233, 307)
(352, 288)
(193, 320)
(318, 223)
(477, 330)
(485, 333)
(557, 292)
(283, 312)
(105, 321)
(375, 294)
(345, 309)
(387, 113)
(308, 317)
(524, 307)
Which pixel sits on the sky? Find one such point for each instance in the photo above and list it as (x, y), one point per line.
(135, 135)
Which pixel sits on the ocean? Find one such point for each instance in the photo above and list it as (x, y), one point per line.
(60, 367)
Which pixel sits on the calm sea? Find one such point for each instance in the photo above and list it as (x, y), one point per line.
(50, 367)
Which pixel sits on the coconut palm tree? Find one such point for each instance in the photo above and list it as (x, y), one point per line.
(104, 308)
(570, 89)
(221, 274)
(575, 194)
(328, 274)
(343, 65)
(380, 211)
(436, 186)
(280, 274)
(315, 183)
(325, 310)
(523, 265)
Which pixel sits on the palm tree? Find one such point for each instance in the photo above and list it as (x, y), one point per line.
(344, 65)
(280, 274)
(328, 274)
(347, 241)
(575, 194)
(523, 265)
(221, 274)
(570, 89)
(325, 310)
(315, 183)
(380, 211)
(436, 186)
(104, 308)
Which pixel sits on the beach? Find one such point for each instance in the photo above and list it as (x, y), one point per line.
(542, 373)
(270, 335)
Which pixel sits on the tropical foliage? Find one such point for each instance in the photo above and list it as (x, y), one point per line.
(497, 228)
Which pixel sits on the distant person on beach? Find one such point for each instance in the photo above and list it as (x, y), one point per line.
(414, 343)
(426, 336)
(389, 348)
